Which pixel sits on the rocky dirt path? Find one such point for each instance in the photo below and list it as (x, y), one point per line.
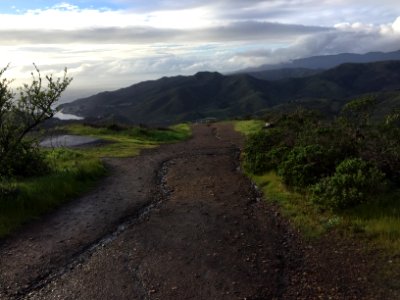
(177, 222)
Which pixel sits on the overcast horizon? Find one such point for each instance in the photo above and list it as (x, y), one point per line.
(115, 43)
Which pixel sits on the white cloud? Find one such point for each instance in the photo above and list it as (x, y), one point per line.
(235, 31)
(342, 38)
(383, 30)
(69, 17)
(396, 25)
(106, 48)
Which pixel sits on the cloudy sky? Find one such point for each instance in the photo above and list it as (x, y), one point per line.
(114, 43)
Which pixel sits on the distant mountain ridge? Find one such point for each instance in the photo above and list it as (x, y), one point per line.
(279, 74)
(327, 61)
(205, 94)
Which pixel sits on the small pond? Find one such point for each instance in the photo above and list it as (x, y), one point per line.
(67, 140)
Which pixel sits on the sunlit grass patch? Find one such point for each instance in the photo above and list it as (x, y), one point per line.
(248, 127)
(128, 141)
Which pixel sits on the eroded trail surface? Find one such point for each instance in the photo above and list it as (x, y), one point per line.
(177, 222)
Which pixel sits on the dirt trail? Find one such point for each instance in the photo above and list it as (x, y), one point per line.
(177, 222)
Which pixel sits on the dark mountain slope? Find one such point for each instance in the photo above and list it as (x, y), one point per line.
(273, 75)
(344, 81)
(177, 99)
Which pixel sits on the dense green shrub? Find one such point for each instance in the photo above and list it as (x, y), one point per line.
(26, 160)
(305, 165)
(383, 148)
(257, 148)
(276, 156)
(354, 182)
(305, 149)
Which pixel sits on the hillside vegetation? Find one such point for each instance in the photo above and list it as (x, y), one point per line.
(340, 174)
(179, 99)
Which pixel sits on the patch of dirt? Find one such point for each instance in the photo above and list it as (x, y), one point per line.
(180, 222)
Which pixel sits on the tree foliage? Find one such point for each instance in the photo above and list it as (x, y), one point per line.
(20, 113)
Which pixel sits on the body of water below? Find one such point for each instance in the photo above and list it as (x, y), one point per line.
(60, 115)
(67, 140)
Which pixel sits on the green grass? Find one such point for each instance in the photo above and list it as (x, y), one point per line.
(248, 127)
(294, 206)
(374, 226)
(128, 141)
(378, 222)
(72, 174)
(75, 171)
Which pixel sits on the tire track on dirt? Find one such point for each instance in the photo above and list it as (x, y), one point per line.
(205, 242)
(37, 252)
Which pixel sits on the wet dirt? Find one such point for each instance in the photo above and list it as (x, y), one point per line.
(179, 222)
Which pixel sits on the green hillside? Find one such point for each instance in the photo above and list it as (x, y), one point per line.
(189, 98)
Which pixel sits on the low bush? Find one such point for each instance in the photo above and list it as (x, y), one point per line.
(258, 150)
(26, 160)
(355, 181)
(306, 165)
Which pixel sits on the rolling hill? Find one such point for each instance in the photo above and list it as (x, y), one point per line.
(176, 99)
(188, 98)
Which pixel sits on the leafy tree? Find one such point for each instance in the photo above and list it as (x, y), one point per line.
(22, 112)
